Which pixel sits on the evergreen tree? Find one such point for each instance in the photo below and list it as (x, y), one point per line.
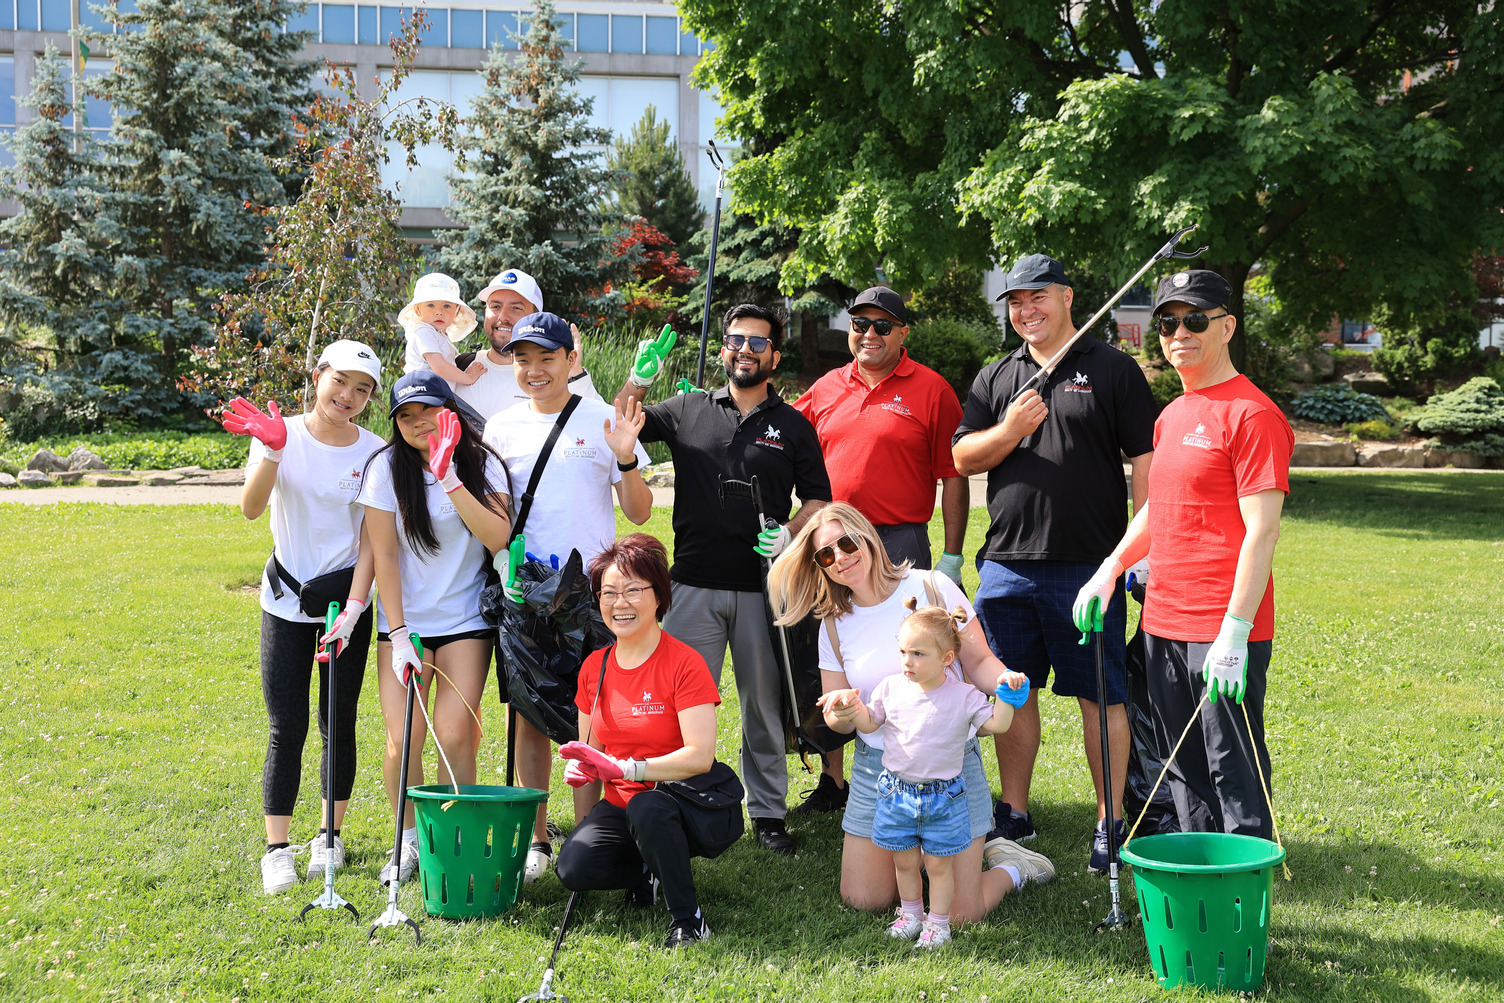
(649, 180)
(533, 197)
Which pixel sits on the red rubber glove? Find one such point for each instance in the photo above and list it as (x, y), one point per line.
(577, 774)
(604, 766)
(441, 450)
(244, 418)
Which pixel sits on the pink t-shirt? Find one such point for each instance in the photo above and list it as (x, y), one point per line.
(924, 734)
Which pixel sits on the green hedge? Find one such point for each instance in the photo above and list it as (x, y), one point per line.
(141, 451)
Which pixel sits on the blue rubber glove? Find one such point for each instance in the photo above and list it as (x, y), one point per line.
(949, 565)
(1226, 665)
(1014, 698)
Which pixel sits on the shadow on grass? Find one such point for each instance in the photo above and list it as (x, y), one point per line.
(1461, 506)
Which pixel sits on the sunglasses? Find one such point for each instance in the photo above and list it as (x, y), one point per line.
(1194, 323)
(826, 556)
(882, 327)
(756, 343)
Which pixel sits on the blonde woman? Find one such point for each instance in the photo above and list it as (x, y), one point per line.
(837, 568)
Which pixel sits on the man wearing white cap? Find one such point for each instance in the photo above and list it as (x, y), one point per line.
(512, 295)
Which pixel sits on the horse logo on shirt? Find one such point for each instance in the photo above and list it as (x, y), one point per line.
(1078, 384)
(771, 437)
(1198, 438)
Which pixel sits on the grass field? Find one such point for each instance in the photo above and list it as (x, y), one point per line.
(132, 733)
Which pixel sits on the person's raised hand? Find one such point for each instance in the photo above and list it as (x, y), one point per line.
(577, 368)
(604, 766)
(245, 418)
(441, 450)
(344, 626)
(1024, 415)
(622, 439)
(406, 662)
(651, 353)
(1100, 587)
(1226, 666)
(1013, 689)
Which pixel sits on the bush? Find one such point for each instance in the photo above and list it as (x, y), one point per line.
(1375, 430)
(1165, 387)
(1416, 356)
(1469, 419)
(116, 388)
(1338, 405)
(955, 349)
(155, 451)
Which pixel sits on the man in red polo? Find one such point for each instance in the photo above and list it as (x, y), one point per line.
(885, 423)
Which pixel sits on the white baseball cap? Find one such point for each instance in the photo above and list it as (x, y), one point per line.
(347, 356)
(436, 287)
(519, 282)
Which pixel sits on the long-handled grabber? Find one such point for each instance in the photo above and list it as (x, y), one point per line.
(715, 234)
(546, 990)
(394, 916)
(328, 899)
(1116, 918)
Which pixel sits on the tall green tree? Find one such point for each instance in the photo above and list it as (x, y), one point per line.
(1349, 147)
(533, 195)
(649, 179)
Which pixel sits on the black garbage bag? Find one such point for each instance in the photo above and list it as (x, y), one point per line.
(542, 642)
(1144, 758)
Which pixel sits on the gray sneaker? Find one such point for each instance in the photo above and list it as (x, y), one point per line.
(1033, 868)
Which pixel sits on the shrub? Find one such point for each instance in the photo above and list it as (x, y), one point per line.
(1338, 405)
(1166, 387)
(1375, 430)
(1469, 419)
(115, 388)
(155, 451)
(955, 349)
(1419, 354)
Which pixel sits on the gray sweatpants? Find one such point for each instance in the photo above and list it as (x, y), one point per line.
(706, 620)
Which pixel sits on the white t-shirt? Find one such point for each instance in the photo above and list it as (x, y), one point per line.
(497, 389)
(869, 635)
(441, 591)
(315, 519)
(422, 339)
(572, 506)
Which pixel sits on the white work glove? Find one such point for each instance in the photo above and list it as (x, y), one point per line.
(405, 658)
(771, 541)
(1138, 574)
(949, 565)
(1101, 586)
(1226, 665)
(344, 626)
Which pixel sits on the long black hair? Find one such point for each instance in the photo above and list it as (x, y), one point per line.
(410, 473)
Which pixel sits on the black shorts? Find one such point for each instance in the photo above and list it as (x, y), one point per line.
(435, 643)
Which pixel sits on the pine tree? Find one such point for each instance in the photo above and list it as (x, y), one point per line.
(532, 198)
(649, 180)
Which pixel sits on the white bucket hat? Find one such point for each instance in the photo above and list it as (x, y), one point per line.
(436, 287)
(519, 282)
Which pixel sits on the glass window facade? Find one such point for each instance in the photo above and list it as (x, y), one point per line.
(663, 36)
(26, 15)
(7, 90)
(306, 21)
(339, 23)
(57, 15)
(592, 33)
(500, 26)
(626, 32)
(366, 23)
(467, 29)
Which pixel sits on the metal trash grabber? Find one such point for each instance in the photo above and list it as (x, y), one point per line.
(546, 990)
(1116, 919)
(715, 234)
(329, 899)
(394, 916)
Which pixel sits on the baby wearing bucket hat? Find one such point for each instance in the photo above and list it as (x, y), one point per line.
(435, 320)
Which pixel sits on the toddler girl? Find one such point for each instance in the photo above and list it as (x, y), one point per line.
(435, 321)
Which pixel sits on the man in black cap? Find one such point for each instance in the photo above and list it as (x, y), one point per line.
(1058, 504)
(1220, 477)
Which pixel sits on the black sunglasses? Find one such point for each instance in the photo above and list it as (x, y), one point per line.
(1194, 323)
(756, 343)
(882, 327)
(826, 556)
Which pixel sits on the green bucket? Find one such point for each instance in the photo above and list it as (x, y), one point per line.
(1204, 899)
(472, 845)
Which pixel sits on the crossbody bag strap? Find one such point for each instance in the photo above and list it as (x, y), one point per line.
(600, 684)
(276, 574)
(932, 590)
(835, 640)
(526, 504)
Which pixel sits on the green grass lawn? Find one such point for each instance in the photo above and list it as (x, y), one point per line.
(132, 733)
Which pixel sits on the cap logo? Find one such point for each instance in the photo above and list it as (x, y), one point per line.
(409, 391)
(362, 355)
(532, 329)
(507, 278)
(1181, 279)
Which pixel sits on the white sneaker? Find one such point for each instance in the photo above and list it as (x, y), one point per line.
(539, 856)
(319, 850)
(1033, 868)
(932, 936)
(906, 926)
(277, 871)
(405, 867)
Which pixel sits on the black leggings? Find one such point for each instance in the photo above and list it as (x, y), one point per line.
(287, 651)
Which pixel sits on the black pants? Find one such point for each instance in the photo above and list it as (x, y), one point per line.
(287, 651)
(609, 849)
(1213, 778)
(907, 541)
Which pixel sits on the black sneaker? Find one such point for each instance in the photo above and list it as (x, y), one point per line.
(1098, 862)
(687, 931)
(555, 834)
(825, 797)
(645, 894)
(1010, 824)
(772, 834)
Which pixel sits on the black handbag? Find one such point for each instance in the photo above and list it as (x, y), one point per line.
(314, 595)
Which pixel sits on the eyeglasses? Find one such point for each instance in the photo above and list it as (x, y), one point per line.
(882, 327)
(755, 342)
(633, 595)
(826, 556)
(1194, 323)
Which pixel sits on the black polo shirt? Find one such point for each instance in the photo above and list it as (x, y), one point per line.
(1061, 495)
(710, 440)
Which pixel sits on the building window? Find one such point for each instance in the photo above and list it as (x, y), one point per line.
(468, 29)
(7, 90)
(592, 33)
(57, 15)
(306, 21)
(7, 16)
(26, 15)
(368, 35)
(689, 45)
(663, 36)
(339, 23)
(566, 30)
(501, 25)
(626, 32)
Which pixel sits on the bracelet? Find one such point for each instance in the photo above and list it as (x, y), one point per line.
(624, 467)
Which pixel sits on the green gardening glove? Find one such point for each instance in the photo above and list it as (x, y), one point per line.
(651, 352)
(506, 563)
(687, 386)
(1088, 619)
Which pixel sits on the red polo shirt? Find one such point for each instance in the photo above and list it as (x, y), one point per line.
(885, 446)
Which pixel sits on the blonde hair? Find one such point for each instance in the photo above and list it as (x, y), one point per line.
(798, 586)
(939, 626)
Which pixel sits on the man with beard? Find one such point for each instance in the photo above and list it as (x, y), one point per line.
(512, 295)
(741, 431)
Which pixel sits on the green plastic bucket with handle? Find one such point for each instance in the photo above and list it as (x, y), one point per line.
(1204, 899)
(472, 845)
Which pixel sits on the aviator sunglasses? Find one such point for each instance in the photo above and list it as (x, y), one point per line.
(826, 556)
(1194, 323)
(882, 327)
(756, 343)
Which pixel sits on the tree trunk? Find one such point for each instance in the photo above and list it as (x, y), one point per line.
(1236, 274)
(809, 346)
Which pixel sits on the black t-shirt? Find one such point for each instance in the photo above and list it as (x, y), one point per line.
(1060, 495)
(711, 440)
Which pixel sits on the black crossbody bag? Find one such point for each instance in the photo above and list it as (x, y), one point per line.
(314, 595)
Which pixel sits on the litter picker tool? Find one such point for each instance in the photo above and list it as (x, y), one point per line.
(329, 899)
(715, 233)
(394, 916)
(546, 990)
(1116, 919)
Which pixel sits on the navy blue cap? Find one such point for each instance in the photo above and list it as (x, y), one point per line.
(544, 328)
(423, 386)
(1198, 287)
(1034, 272)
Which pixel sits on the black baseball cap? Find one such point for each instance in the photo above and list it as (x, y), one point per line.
(1034, 272)
(421, 385)
(546, 329)
(884, 299)
(1197, 286)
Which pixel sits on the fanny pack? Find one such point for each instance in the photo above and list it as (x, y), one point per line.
(314, 595)
(717, 787)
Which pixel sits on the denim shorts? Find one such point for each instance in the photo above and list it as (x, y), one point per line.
(867, 764)
(931, 816)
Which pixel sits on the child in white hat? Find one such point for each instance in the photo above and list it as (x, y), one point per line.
(435, 321)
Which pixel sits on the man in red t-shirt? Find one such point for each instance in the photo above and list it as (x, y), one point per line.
(1220, 475)
(885, 424)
